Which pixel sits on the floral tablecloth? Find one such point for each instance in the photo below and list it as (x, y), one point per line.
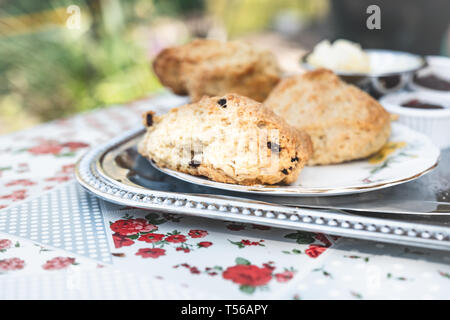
(57, 241)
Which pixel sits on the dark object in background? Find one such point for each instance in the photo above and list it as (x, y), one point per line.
(433, 82)
(416, 26)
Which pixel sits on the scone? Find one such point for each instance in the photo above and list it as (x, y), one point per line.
(231, 139)
(215, 68)
(344, 122)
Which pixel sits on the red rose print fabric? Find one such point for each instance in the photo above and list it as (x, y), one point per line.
(121, 241)
(11, 264)
(46, 147)
(198, 233)
(130, 231)
(248, 275)
(315, 250)
(132, 226)
(151, 252)
(151, 237)
(224, 257)
(204, 244)
(176, 238)
(38, 159)
(22, 257)
(58, 263)
(5, 244)
(284, 276)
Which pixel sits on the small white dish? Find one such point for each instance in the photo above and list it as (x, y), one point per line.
(435, 123)
(407, 156)
(391, 71)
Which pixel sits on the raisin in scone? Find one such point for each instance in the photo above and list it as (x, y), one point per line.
(231, 139)
(214, 68)
(344, 122)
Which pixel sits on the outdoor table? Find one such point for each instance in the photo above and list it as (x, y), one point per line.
(57, 241)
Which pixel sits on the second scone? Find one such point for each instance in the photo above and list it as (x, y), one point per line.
(344, 122)
(214, 68)
(231, 139)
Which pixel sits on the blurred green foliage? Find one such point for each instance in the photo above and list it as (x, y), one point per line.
(52, 71)
(178, 7)
(49, 70)
(243, 16)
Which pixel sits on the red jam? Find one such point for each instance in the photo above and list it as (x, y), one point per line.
(417, 104)
(433, 82)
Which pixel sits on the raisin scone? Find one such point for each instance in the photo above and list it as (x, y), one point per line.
(344, 122)
(231, 139)
(215, 68)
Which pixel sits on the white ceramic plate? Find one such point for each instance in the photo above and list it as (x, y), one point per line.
(407, 156)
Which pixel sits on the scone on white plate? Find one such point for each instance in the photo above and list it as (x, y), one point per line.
(231, 139)
(344, 122)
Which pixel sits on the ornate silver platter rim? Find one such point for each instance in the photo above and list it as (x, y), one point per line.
(241, 210)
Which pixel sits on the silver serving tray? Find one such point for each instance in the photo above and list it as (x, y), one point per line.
(419, 211)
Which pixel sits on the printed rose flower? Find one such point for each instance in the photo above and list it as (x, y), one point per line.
(58, 263)
(176, 238)
(46, 148)
(322, 238)
(5, 244)
(248, 275)
(186, 250)
(204, 244)
(315, 250)
(250, 243)
(151, 252)
(21, 182)
(198, 233)
(194, 270)
(74, 145)
(260, 227)
(58, 179)
(284, 276)
(269, 266)
(11, 264)
(121, 241)
(151, 237)
(235, 227)
(68, 168)
(132, 226)
(172, 217)
(16, 195)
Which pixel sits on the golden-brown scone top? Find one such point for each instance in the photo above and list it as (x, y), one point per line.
(231, 139)
(215, 68)
(344, 122)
